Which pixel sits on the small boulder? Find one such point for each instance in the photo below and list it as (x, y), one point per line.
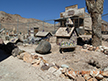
(85, 46)
(27, 58)
(43, 47)
(15, 51)
(44, 67)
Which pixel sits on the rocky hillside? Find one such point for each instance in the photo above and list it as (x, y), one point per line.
(21, 24)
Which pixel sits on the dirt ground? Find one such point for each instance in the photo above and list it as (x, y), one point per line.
(13, 69)
(77, 59)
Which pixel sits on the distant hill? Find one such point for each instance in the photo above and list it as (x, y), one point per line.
(9, 21)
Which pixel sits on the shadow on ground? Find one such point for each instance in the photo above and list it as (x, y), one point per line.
(3, 55)
(69, 50)
(44, 53)
(81, 42)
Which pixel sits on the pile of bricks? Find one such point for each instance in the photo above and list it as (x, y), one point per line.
(102, 49)
(63, 71)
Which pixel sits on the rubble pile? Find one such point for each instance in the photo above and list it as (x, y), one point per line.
(102, 49)
(63, 71)
(33, 59)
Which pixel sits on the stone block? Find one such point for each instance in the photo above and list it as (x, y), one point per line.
(87, 76)
(94, 73)
(58, 72)
(27, 57)
(71, 74)
(52, 69)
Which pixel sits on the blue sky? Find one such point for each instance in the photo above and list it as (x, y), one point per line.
(42, 9)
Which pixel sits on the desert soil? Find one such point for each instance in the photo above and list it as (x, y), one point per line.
(77, 59)
(13, 69)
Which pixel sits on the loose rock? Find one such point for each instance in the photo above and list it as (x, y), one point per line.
(27, 58)
(21, 54)
(36, 61)
(71, 74)
(94, 73)
(85, 46)
(105, 73)
(15, 51)
(64, 66)
(43, 47)
(64, 70)
(85, 72)
(99, 77)
(87, 76)
(90, 48)
(106, 51)
(45, 67)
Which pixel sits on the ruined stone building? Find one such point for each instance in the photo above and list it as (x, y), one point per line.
(63, 35)
(104, 27)
(81, 20)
